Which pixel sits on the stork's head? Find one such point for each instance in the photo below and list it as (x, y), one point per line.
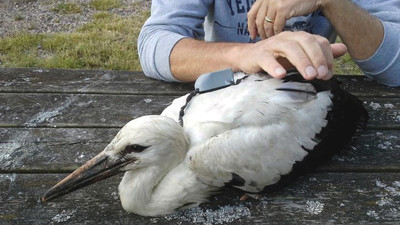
(148, 140)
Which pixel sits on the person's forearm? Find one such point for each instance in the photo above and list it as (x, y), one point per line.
(361, 32)
(190, 58)
(310, 54)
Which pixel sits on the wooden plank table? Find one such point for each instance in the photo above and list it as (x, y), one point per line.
(52, 121)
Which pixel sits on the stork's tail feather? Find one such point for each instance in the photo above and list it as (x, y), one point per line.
(362, 118)
(346, 120)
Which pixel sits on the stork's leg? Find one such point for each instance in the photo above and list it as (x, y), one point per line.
(247, 196)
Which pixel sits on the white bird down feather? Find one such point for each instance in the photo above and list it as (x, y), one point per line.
(249, 136)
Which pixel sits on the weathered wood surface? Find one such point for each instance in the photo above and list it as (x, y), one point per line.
(72, 110)
(84, 81)
(336, 198)
(102, 110)
(51, 121)
(119, 82)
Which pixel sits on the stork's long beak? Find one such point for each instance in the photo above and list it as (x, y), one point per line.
(98, 168)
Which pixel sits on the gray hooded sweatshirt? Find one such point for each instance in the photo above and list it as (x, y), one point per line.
(226, 21)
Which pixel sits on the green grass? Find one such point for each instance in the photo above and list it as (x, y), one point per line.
(107, 43)
(105, 4)
(345, 64)
(102, 15)
(67, 8)
(18, 17)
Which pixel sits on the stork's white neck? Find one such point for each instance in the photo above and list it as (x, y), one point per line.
(136, 188)
(152, 191)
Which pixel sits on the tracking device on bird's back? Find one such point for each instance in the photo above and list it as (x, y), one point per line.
(214, 80)
(209, 82)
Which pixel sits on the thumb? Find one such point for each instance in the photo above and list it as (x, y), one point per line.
(338, 49)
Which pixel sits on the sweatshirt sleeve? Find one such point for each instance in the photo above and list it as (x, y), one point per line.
(384, 64)
(170, 21)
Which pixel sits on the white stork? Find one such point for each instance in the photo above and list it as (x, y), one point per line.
(256, 136)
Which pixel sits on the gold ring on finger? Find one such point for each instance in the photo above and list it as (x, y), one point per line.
(269, 20)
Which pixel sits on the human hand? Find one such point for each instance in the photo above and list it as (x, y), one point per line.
(278, 11)
(312, 55)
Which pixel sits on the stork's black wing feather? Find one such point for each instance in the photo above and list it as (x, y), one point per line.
(346, 118)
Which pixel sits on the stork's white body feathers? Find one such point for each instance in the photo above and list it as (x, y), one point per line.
(246, 129)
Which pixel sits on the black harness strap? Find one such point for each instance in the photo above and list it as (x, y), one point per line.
(197, 91)
(240, 80)
(182, 111)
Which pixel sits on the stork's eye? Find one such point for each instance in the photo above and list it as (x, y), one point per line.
(134, 148)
